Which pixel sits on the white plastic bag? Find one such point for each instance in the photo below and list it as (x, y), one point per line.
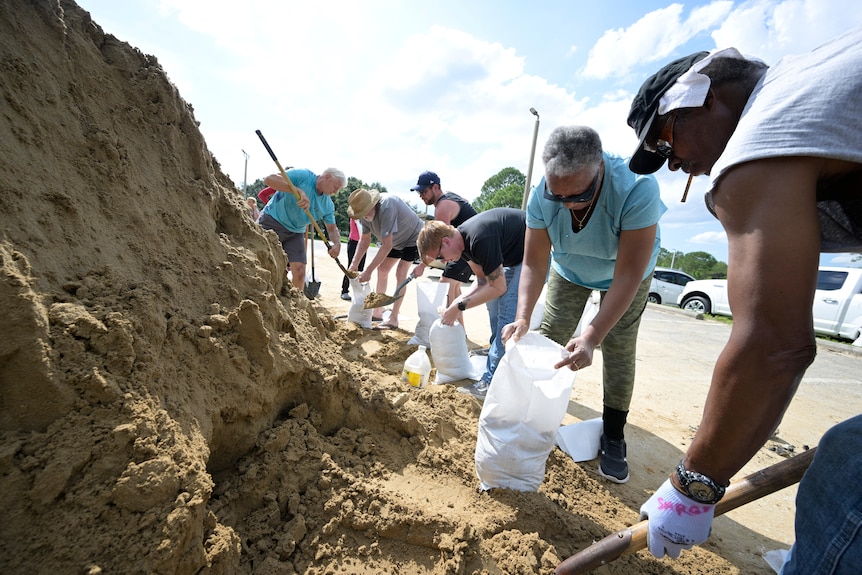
(449, 352)
(521, 415)
(581, 441)
(538, 310)
(591, 309)
(357, 312)
(429, 296)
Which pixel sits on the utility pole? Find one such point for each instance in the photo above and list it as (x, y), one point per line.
(245, 173)
(532, 155)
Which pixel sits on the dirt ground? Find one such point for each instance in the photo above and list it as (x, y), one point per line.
(170, 405)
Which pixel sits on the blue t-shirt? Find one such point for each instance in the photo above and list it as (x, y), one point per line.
(627, 202)
(282, 206)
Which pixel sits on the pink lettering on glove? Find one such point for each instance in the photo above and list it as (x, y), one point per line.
(681, 509)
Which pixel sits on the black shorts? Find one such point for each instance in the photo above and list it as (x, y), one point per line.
(407, 253)
(292, 243)
(460, 271)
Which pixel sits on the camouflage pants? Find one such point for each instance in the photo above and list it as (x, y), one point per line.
(564, 305)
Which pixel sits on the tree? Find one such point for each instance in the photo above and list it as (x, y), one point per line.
(699, 265)
(503, 190)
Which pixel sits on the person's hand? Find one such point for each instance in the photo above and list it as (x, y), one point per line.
(450, 314)
(676, 522)
(335, 250)
(418, 271)
(577, 354)
(302, 201)
(516, 329)
(365, 276)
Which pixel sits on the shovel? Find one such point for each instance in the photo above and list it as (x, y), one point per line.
(634, 538)
(375, 299)
(295, 192)
(312, 286)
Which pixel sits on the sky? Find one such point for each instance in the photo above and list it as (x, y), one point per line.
(385, 89)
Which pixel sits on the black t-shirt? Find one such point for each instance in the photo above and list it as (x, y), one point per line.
(465, 210)
(495, 238)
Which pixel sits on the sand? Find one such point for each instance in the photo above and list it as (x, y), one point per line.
(171, 404)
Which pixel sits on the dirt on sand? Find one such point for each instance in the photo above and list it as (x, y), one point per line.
(171, 405)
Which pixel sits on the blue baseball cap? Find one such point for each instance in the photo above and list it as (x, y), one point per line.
(425, 179)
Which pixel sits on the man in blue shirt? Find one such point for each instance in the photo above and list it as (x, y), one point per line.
(285, 214)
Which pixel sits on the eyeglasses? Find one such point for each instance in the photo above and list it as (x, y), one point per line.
(664, 143)
(582, 198)
(423, 190)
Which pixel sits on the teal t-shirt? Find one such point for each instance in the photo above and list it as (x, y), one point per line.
(282, 206)
(627, 202)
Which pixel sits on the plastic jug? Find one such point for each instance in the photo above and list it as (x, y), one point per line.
(417, 368)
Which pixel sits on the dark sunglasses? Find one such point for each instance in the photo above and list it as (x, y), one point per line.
(580, 198)
(664, 143)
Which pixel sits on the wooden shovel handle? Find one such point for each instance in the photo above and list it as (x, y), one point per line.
(627, 541)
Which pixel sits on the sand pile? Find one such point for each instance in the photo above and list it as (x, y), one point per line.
(170, 405)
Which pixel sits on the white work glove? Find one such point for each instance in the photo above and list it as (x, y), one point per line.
(676, 522)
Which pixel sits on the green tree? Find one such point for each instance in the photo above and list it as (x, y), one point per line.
(502, 190)
(699, 265)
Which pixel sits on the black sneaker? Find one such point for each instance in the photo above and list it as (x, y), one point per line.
(613, 465)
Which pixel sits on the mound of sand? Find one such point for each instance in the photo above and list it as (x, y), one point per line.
(170, 405)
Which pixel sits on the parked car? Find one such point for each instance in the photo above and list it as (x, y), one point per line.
(666, 285)
(837, 309)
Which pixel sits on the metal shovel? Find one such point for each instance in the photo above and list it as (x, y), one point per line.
(312, 287)
(375, 299)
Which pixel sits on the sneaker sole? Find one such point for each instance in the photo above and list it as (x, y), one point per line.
(612, 478)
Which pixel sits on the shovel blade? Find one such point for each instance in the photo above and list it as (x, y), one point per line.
(379, 300)
(311, 289)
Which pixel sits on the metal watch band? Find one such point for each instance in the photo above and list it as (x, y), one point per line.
(687, 478)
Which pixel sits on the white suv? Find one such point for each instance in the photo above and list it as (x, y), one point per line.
(666, 285)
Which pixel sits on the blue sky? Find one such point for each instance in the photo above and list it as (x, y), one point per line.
(384, 89)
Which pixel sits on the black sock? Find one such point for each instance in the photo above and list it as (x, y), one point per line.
(614, 421)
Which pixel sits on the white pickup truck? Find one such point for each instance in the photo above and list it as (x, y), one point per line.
(837, 301)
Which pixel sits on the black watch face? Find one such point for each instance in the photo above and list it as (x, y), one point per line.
(701, 491)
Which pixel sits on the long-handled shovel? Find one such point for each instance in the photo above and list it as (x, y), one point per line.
(375, 299)
(627, 541)
(312, 286)
(295, 192)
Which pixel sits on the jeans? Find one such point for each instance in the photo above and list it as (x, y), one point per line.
(829, 507)
(501, 311)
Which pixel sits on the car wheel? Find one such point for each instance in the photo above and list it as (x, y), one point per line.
(654, 298)
(697, 304)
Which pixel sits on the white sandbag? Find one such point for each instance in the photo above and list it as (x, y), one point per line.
(429, 296)
(581, 441)
(449, 352)
(591, 309)
(357, 314)
(521, 414)
(538, 310)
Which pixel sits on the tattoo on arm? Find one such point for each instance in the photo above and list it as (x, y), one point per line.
(494, 275)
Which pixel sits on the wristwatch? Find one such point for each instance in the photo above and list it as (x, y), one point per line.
(462, 305)
(698, 486)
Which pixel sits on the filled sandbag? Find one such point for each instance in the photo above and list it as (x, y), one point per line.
(429, 296)
(449, 352)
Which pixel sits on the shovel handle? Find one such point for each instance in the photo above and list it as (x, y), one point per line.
(295, 192)
(634, 538)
